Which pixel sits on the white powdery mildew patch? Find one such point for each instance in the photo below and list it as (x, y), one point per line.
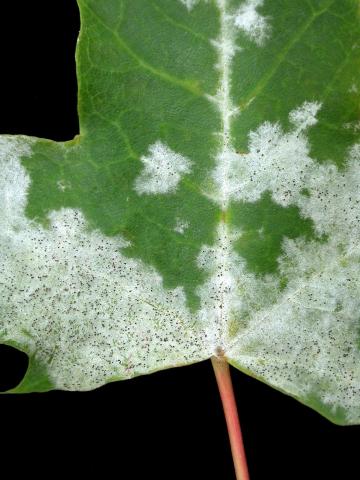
(353, 88)
(219, 295)
(190, 4)
(89, 312)
(277, 161)
(63, 186)
(181, 226)
(334, 201)
(307, 341)
(13, 182)
(163, 170)
(226, 48)
(254, 25)
(305, 115)
(230, 291)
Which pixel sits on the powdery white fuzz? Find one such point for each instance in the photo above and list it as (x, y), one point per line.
(305, 116)
(306, 341)
(163, 170)
(226, 48)
(63, 186)
(277, 161)
(190, 4)
(230, 290)
(334, 199)
(219, 294)
(89, 312)
(249, 20)
(353, 88)
(181, 226)
(13, 182)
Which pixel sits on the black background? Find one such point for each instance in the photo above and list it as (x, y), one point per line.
(167, 425)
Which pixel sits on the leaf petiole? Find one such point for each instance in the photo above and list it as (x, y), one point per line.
(223, 379)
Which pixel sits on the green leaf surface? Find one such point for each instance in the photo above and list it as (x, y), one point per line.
(210, 202)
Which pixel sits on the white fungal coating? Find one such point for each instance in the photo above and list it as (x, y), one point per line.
(89, 312)
(63, 186)
(254, 25)
(226, 48)
(181, 226)
(353, 88)
(305, 115)
(334, 199)
(276, 161)
(163, 170)
(229, 291)
(189, 4)
(219, 295)
(307, 341)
